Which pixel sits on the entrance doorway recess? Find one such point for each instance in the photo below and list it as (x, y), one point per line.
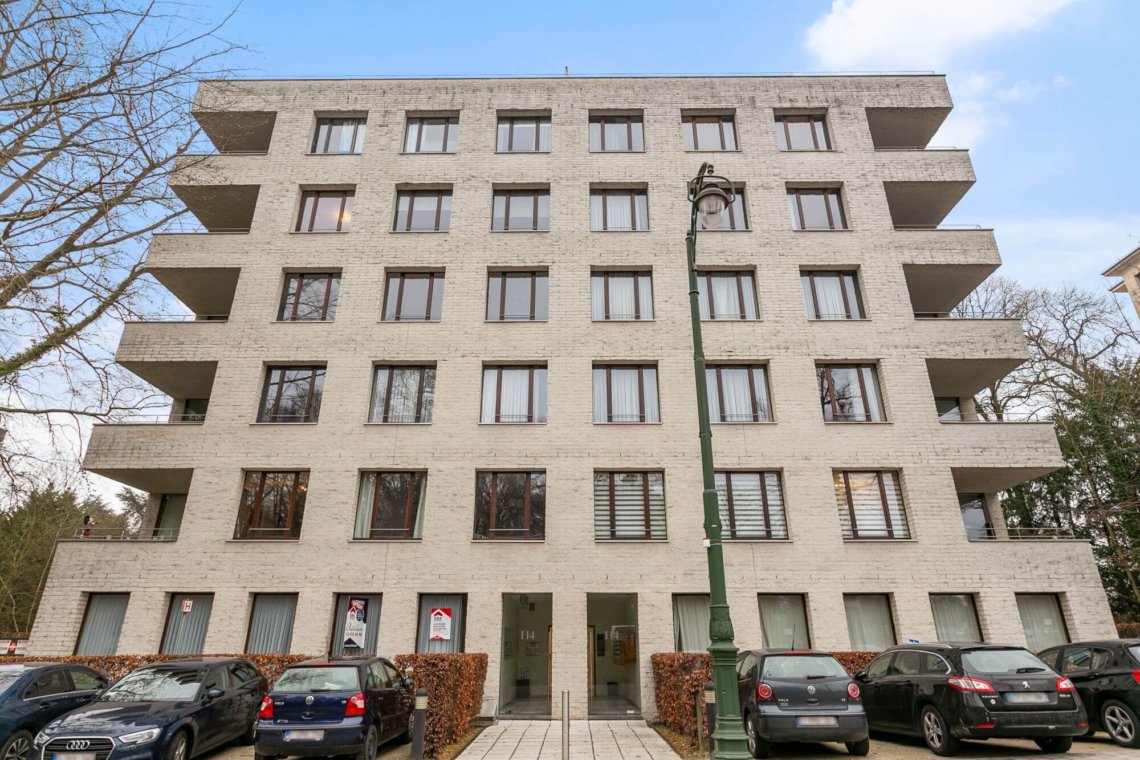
(612, 671)
(524, 677)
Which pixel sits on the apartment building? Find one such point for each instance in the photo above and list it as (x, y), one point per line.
(1128, 270)
(438, 368)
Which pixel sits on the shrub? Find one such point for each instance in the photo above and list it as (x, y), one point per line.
(454, 684)
(1128, 630)
(115, 666)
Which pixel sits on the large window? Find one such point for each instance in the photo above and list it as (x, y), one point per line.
(520, 211)
(726, 295)
(523, 134)
(187, 619)
(850, 393)
(715, 132)
(816, 209)
(625, 393)
(802, 133)
(413, 297)
(619, 210)
(339, 135)
(102, 624)
(619, 296)
(629, 506)
(272, 505)
(292, 394)
(783, 621)
(976, 517)
(733, 216)
(422, 211)
(309, 297)
(869, 622)
(402, 393)
(510, 505)
(616, 134)
(514, 394)
(442, 623)
(364, 606)
(325, 211)
(831, 295)
(870, 505)
(955, 617)
(1042, 619)
(271, 624)
(691, 622)
(738, 393)
(751, 505)
(431, 134)
(390, 506)
(518, 296)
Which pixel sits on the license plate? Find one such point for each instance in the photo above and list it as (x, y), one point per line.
(1027, 698)
(817, 720)
(304, 736)
(73, 756)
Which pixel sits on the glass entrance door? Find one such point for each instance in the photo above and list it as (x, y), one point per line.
(612, 651)
(524, 679)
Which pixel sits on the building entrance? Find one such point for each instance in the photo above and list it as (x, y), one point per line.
(524, 680)
(612, 655)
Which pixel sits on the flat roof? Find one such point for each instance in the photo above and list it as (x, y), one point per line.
(1128, 260)
(461, 77)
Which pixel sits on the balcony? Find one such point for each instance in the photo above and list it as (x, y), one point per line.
(936, 289)
(207, 291)
(995, 533)
(923, 205)
(904, 127)
(238, 132)
(113, 534)
(220, 208)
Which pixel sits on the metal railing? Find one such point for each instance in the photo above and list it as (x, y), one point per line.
(187, 418)
(959, 314)
(919, 147)
(955, 418)
(213, 153)
(940, 227)
(993, 533)
(202, 231)
(117, 534)
(162, 318)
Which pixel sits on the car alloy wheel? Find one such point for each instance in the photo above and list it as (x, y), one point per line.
(18, 747)
(1117, 722)
(179, 749)
(932, 729)
(750, 733)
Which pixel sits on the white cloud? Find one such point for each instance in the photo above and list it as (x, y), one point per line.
(1076, 249)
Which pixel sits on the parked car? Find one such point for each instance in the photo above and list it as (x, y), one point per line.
(33, 694)
(949, 692)
(172, 710)
(341, 706)
(798, 696)
(1107, 677)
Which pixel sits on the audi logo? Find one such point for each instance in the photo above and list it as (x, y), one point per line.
(79, 744)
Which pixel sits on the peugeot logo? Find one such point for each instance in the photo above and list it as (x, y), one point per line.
(309, 699)
(79, 744)
(1025, 684)
(811, 690)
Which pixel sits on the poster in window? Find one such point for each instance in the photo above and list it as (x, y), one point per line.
(440, 627)
(356, 623)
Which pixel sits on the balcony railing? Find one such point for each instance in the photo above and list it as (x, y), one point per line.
(149, 318)
(959, 314)
(958, 417)
(918, 147)
(188, 418)
(117, 534)
(202, 231)
(940, 227)
(1022, 534)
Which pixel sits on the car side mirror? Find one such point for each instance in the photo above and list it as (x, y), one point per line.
(861, 675)
(407, 683)
(214, 693)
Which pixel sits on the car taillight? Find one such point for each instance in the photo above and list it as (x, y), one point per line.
(1136, 676)
(354, 706)
(969, 684)
(853, 690)
(1064, 684)
(763, 691)
(266, 710)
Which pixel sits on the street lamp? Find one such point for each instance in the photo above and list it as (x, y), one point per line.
(709, 195)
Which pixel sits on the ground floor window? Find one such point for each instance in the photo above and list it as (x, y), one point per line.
(691, 622)
(360, 635)
(102, 624)
(442, 621)
(869, 621)
(783, 619)
(1042, 619)
(186, 622)
(955, 617)
(271, 624)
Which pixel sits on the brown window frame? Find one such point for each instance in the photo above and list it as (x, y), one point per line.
(740, 275)
(765, 505)
(397, 314)
(799, 192)
(338, 121)
(507, 195)
(412, 504)
(530, 413)
(843, 274)
(756, 406)
(412, 195)
(883, 503)
(510, 121)
(641, 409)
(782, 125)
(528, 511)
(824, 374)
(534, 276)
(447, 121)
(249, 515)
(317, 195)
(633, 194)
(690, 122)
(629, 121)
(646, 507)
(386, 411)
(311, 415)
(636, 275)
(299, 279)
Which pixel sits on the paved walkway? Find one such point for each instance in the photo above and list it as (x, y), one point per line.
(542, 740)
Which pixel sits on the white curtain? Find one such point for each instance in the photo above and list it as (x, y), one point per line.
(271, 624)
(371, 623)
(726, 299)
(621, 298)
(457, 604)
(737, 395)
(595, 137)
(954, 617)
(867, 504)
(645, 295)
(598, 298)
(601, 393)
(784, 621)
(869, 622)
(186, 631)
(1041, 617)
(874, 400)
(691, 622)
(596, 201)
(624, 395)
(544, 136)
(102, 624)
(619, 211)
(515, 395)
(829, 297)
(652, 408)
(363, 526)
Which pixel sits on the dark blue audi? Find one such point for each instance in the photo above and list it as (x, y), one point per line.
(34, 694)
(166, 711)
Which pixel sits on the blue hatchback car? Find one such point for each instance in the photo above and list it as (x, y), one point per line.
(343, 706)
(34, 694)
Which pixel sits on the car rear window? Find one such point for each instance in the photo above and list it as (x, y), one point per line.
(998, 661)
(1134, 651)
(317, 679)
(801, 666)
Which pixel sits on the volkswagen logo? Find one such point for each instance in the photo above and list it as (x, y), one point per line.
(811, 690)
(309, 699)
(78, 744)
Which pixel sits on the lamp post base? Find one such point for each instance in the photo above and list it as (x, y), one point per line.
(731, 743)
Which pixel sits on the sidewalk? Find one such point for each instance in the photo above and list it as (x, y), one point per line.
(542, 740)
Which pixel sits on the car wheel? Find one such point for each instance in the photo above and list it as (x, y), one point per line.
(1055, 743)
(1120, 722)
(936, 733)
(758, 746)
(368, 751)
(409, 728)
(859, 748)
(18, 746)
(178, 749)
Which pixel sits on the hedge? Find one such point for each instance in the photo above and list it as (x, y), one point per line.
(1128, 630)
(454, 684)
(115, 666)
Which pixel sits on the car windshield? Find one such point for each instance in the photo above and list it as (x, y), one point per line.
(156, 685)
(802, 666)
(1000, 661)
(305, 680)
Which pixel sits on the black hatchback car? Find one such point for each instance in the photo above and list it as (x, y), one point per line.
(34, 694)
(172, 710)
(949, 692)
(342, 706)
(1107, 677)
(798, 696)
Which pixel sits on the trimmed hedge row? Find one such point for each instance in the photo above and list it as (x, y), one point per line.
(1128, 630)
(115, 666)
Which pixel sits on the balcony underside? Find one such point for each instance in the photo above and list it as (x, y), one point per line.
(205, 290)
(178, 379)
(220, 208)
(964, 378)
(923, 204)
(938, 288)
(149, 479)
(238, 131)
(995, 479)
(904, 127)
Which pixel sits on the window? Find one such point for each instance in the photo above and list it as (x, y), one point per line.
(272, 505)
(869, 622)
(949, 408)
(517, 296)
(619, 210)
(514, 394)
(422, 211)
(369, 612)
(708, 132)
(84, 680)
(625, 393)
(907, 663)
(850, 393)
(616, 134)
(831, 295)
(880, 665)
(102, 624)
(48, 684)
(955, 617)
(691, 622)
(523, 134)
(390, 506)
(783, 621)
(733, 216)
(339, 135)
(292, 394)
(520, 211)
(187, 619)
(1042, 620)
(726, 295)
(802, 133)
(621, 296)
(933, 664)
(1051, 659)
(751, 505)
(413, 297)
(738, 393)
(402, 394)
(1082, 659)
(976, 517)
(442, 623)
(325, 210)
(510, 505)
(870, 505)
(629, 505)
(309, 297)
(437, 134)
(271, 624)
(816, 209)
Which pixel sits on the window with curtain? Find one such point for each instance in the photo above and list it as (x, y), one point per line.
(751, 505)
(1043, 621)
(976, 517)
(413, 297)
(431, 134)
(187, 620)
(831, 295)
(271, 624)
(371, 625)
(514, 394)
(390, 506)
(309, 297)
(869, 622)
(422, 211)
(272, 505)
(102, 624)
(342, 135)
(402, 393)
(619, 210)
(733, 216)
(292, 394)
(870, 505)
(783, 621)
(955, 617)
(629, 505)
(523, 134)
(691, 622)
(816, 209)
(510, 505)
(708, 132)
(802, 133)
(325, 211)
(520, 211)
(619, 296)
(613, 133)
(626, 393)
(518, 296)
(850, 393)
(726, 295)
(738, 393)
(449, 637)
